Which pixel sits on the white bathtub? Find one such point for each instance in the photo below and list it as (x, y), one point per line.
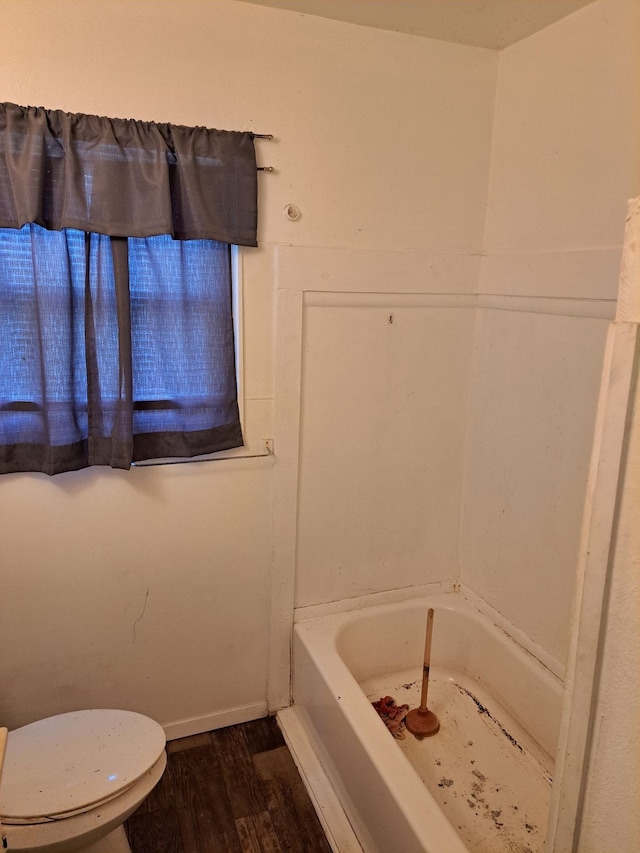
(499, 709)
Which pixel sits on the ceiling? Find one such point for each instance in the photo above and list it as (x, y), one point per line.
(485, 23)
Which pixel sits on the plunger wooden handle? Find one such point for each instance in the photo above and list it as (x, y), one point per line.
(427, 660)
(3, 743)
(422, 722)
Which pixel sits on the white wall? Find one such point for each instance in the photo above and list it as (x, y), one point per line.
(610, 820)
(564, 162)
(153, 589)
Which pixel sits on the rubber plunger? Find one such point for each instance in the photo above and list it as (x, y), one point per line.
(422, 722)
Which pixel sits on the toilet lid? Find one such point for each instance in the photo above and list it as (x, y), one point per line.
(72, 762)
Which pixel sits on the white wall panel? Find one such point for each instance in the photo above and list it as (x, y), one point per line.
(382, 427)
(564, 162)
(613, 786)
(534, 393)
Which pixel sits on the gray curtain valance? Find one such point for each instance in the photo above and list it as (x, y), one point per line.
(122, 177)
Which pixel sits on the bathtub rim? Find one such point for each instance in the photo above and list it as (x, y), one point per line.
(365, 602)
(325, 634)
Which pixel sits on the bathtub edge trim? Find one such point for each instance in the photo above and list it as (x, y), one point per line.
(332, 816)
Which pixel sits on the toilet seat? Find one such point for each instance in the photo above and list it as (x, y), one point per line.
(75, 834)
(65, 765)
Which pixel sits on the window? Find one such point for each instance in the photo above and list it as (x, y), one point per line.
(182, 373)
(118, 347)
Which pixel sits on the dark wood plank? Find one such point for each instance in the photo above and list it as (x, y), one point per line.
(183, 743)
(294, 818)
(207, 823)
(238, 772)
(155, 832)
(235, 790)
(163, 795)
(257, 834)
(263, 735)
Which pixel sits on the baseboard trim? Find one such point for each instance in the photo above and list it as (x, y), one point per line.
(217, 720)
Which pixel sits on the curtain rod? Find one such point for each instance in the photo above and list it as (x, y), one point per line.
(144, 463)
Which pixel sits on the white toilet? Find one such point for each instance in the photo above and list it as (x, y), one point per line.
(70, 781)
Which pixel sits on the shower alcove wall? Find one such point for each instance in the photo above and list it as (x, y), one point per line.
(329, 711)
(480, 481)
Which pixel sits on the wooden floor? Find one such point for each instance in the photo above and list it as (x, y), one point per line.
(234, 790)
